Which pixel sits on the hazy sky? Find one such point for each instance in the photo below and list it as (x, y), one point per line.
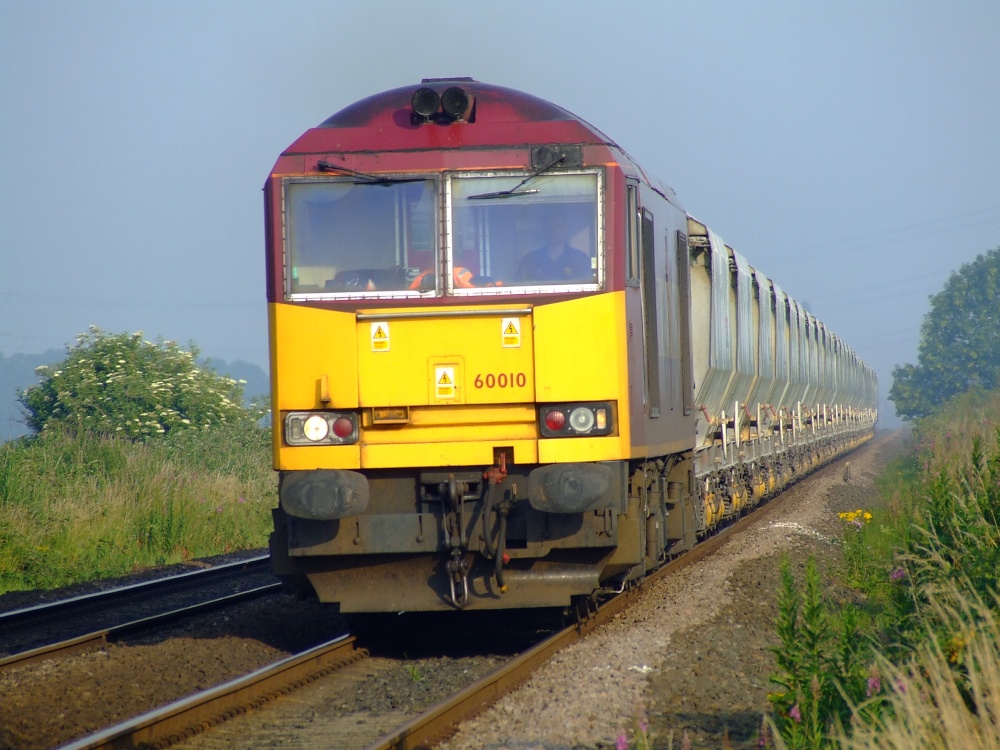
(850, 150)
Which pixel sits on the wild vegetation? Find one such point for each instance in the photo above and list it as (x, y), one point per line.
(126, 386)
(138, 457)
(918, 663)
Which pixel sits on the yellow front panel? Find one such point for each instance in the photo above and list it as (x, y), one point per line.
(413, 361)
(561, 450)
(307, 344)
(464, 453)
(317, 457)
(440, 425)
(470, 382)
(579, 350)
(581, 355)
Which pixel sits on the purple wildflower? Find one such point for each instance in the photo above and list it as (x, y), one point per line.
(795, 714)
(240, 500)
(900, 685)
(874, 685)
(219, 509)
(765, 734)
(622, 742)
(897, 574)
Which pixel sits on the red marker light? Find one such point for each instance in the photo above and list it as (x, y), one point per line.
(343, 427)
(555, 420)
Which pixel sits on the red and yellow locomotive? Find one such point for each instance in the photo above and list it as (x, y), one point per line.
(508, 369)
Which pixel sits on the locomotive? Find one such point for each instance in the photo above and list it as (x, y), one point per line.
(509, 370)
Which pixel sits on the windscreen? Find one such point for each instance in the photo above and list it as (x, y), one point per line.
(504, 233)
(357, 238)
(525, 231)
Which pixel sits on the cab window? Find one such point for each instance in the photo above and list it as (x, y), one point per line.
(347, 238)
(520, 231)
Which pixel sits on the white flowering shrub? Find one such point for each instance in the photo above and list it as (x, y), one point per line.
(122, 385)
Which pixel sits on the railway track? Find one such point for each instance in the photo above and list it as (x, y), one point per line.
(441, 720)
(81, 622)
(98, 638)
(189, 716)
(186, 718)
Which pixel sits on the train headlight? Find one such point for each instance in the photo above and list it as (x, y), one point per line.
(582, 419)
(454, 102)
(425, 101)
(321, 428)
(576, 420)
(315, 428)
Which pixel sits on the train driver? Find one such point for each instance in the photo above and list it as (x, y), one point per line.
(556, 261)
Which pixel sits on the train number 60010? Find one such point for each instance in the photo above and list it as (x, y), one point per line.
(501, 380)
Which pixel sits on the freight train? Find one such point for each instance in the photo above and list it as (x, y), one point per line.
(509, 370)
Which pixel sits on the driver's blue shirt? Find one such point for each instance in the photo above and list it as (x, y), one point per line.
(569, 266)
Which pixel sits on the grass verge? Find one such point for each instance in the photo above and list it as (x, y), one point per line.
(79, 507)
(926, 564)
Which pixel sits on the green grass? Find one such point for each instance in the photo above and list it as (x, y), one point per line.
(871, 559)
(74, 508)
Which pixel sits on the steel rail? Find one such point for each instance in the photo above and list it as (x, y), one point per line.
(48, 609)
(441, 721)
(99, 638)
(189, 716)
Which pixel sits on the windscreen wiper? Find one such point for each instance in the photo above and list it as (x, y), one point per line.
(514, 191)
(361, 177)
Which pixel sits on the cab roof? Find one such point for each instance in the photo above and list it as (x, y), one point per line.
(385, 121)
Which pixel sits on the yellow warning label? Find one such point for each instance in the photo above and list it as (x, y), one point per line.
(510, 332)
(444, 381)
(380, 337)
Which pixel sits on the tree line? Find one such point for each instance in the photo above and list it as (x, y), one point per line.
(959, 341)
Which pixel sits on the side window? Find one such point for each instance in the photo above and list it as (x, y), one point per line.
(684, 305)
(651, 318)
(632, 234)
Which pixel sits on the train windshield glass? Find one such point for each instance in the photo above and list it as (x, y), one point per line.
(351, 238)
(537, 234)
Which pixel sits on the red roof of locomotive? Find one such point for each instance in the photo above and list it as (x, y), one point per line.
(500, 117)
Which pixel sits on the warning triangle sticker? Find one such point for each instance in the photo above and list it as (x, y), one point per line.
(444, 379)
(379, 333)
(510, 330)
